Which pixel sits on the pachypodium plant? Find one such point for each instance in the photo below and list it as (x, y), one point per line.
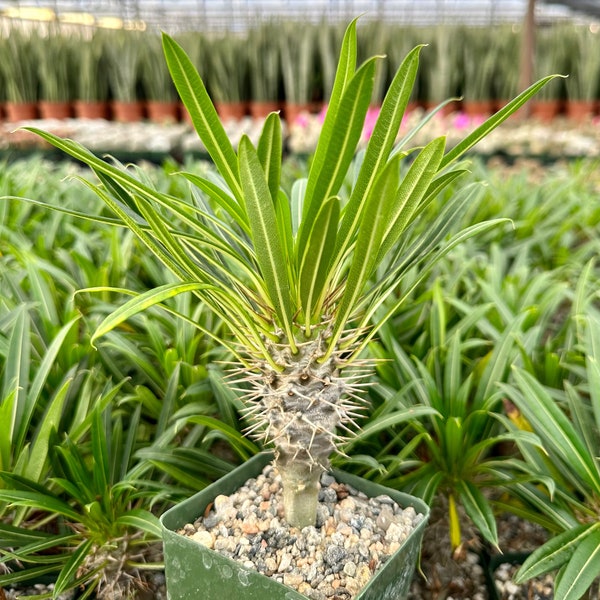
(303, 280)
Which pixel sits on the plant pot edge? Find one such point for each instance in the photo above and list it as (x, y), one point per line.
(251, 585)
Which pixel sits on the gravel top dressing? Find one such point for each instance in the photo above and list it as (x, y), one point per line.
(354, 535)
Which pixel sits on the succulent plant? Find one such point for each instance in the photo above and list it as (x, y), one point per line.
(303, 280)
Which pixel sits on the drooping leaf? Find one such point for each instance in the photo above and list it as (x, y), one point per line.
(479, 510)
(141, 303)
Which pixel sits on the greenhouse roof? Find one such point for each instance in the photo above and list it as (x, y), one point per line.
(237, 14)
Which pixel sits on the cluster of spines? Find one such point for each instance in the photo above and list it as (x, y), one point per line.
(307, 409)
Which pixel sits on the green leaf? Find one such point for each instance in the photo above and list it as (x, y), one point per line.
(555, 552)
(204, 116)
(592, 364)
(582, 569)
(346, 67)
(453, 442)
(411, 192)
(143, 520)
(368, 244)
(243, 446)
(283, 214)
(265, 234)
(330, 164)
(20, 536)
(479, 510)
(495, 120)
(49, 424)
(380, 145)
(69, 571)
(141, 303)
(389, 421)
(46, 502)
(551, 424)
(100, 468)
(221, 197)
(16, 380)
(27, 575)
(314, 270)
(269, 152)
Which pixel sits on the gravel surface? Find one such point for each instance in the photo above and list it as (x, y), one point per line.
(354, 535)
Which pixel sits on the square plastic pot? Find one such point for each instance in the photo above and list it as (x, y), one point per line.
(194, 571)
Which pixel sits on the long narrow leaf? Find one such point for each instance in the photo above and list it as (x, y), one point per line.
(554, 553)
(479, 510)
(412, 190)
(380, 145)
(141, 303)
(581, 570)
(328, 171)
(555, 429)
(204, 116)
(315, 266)
(495, 120)
(265, 234)
(269, 151)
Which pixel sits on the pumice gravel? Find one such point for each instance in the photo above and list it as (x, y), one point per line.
(353, 537)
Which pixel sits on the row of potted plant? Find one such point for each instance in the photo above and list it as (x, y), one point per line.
(280, 65)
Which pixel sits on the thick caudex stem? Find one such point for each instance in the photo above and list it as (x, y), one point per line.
(300, 408)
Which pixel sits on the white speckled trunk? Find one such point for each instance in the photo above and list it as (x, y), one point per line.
(300, 410)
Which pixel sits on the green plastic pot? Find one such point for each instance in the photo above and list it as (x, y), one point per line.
(195, 572)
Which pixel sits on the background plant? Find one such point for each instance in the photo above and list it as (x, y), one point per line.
(154, 74)
(56, 73)
(298, 66)
(69, 408)
(265, 66)
(20, 69)
(566, 419)
(124, 58)
(90, 64)
(228, 75)
(583, 63)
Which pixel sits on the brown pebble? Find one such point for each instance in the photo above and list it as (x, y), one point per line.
(250, 528)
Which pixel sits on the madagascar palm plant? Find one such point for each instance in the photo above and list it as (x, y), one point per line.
(296, 276)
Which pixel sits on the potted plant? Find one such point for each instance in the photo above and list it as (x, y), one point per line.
(264, 69)
(479, 66)
(550, 54)
(298, 54)
(442, 71)
(583, 90)
(506, 77)
(569, 458)
(162, 103)
(297, 279)
(92, 80)
(55, 73)
(228, 76)
(21, 77)
(124, 55)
